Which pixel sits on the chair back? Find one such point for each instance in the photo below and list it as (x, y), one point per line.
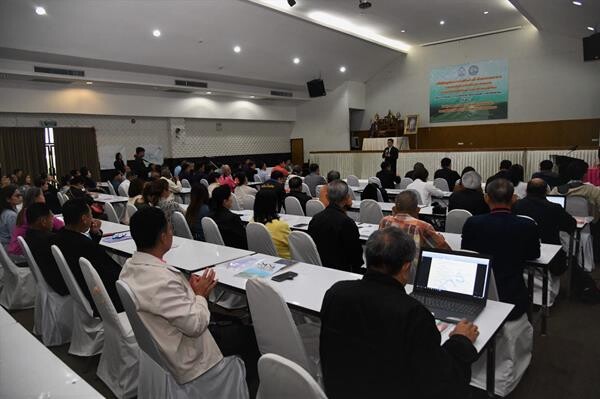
(375, 180)
(211, 231)
(455, 220)
(493, 289)
(122, 192)
(303, 248)
(204, 182)
(62, 198)
(111, 189)
(313, 207)
(577, 206)
(379, 195)
(257, 178)
(104, 304)
(247, 201)
(259, 239)
(528, 217)
(35, 269)
(306, 189)
(353, 181)
(72, 285)
(440, 183)
(180, 226)
(142, 335)
(110, 212)
(318, 190)
(282, 378)
(185, 183)
(351, 193)
(292, 206)
(404, 182)
(370, 212)
(8, 263)
(274, 326)
(131, 210)
(235, 204)
(418, 194)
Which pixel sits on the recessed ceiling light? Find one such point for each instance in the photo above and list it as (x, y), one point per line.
(342, 69)
(442, 22)
(577, 3)
(296, 60)
(40, 11)
(237, 49)
(209, 92)
(591, 28)
(89, 83)
(156, 33)
(252, 96)
(403, 31)
(486, 12)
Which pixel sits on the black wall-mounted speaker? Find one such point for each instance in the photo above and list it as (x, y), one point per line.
(316, 88)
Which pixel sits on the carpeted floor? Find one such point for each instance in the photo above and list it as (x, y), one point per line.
(565, 364)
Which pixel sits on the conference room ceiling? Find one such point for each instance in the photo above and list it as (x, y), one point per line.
(197, 38)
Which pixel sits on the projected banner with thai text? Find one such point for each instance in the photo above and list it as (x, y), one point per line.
(469, 92)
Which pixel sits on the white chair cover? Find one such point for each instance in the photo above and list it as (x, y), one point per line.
(353, 181)
(131, 210)
(282, 378)
(303, 248)
(293, 207)
(257, 178)
(180, 226)
(88, 333)
(370, 212)
(224, 380)
(110, 212)
(19, 284)
(62, 198)
(246, 201)
(185, 183)
(235, 206)
(275, 329)
(313, 207)
(111, 189)
(379, 196)
(318, 190)
(122, 192)
(514, 344)
(375, 180)
(259, 239)
(455, 220)
(440, 183)
(404, 182)
(578, 206)
(52, 314)
(306, 189)
(553, 286)
(118, 366)
(204, 182)
(211, 231)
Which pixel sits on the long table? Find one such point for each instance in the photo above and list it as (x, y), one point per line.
(306, 291)
(104, 198)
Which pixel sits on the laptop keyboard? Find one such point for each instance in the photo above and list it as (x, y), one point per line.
(447, 304)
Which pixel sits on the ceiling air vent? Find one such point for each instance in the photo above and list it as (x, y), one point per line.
(49, 80)
(58, 71)
(281, 93)
(191, 83)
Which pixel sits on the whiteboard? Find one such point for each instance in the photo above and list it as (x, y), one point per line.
(154, 154)
(106, 155)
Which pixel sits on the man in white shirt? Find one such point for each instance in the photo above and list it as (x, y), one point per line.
(129, 176)
(175, 310)
(423, 187)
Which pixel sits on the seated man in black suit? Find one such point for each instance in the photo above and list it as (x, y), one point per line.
(509, 239)
(386, 176)
(551, 178)
(378, 342)
(38, 237)
(335, 233)
(80, 238)
(295, 184)
(470, 198)
(446, 173)
(411, 173)
(503, 173)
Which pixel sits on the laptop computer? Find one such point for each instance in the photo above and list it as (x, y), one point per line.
(452, 285)
(557, 199)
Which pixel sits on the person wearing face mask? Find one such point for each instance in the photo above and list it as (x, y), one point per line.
(80, 238)
(335, 233)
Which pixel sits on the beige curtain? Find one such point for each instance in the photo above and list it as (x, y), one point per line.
(76, 147)
(22, 148)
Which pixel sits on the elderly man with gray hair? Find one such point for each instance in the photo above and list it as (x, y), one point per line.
(335, 233)
(470, 198)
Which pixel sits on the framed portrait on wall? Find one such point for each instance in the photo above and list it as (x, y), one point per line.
(411, 124)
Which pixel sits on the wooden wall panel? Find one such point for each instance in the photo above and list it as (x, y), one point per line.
(564, 133)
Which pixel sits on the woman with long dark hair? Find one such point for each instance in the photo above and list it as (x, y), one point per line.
(10, 197)
(265, 212)
(517, 175)
(119, 163)
(230, 225)
(197, 209)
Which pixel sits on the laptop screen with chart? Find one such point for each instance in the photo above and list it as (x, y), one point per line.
(456, 274)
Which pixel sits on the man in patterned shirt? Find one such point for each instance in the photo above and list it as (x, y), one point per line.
(406, 217)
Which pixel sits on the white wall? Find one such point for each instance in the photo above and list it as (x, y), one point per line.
(548, 79)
